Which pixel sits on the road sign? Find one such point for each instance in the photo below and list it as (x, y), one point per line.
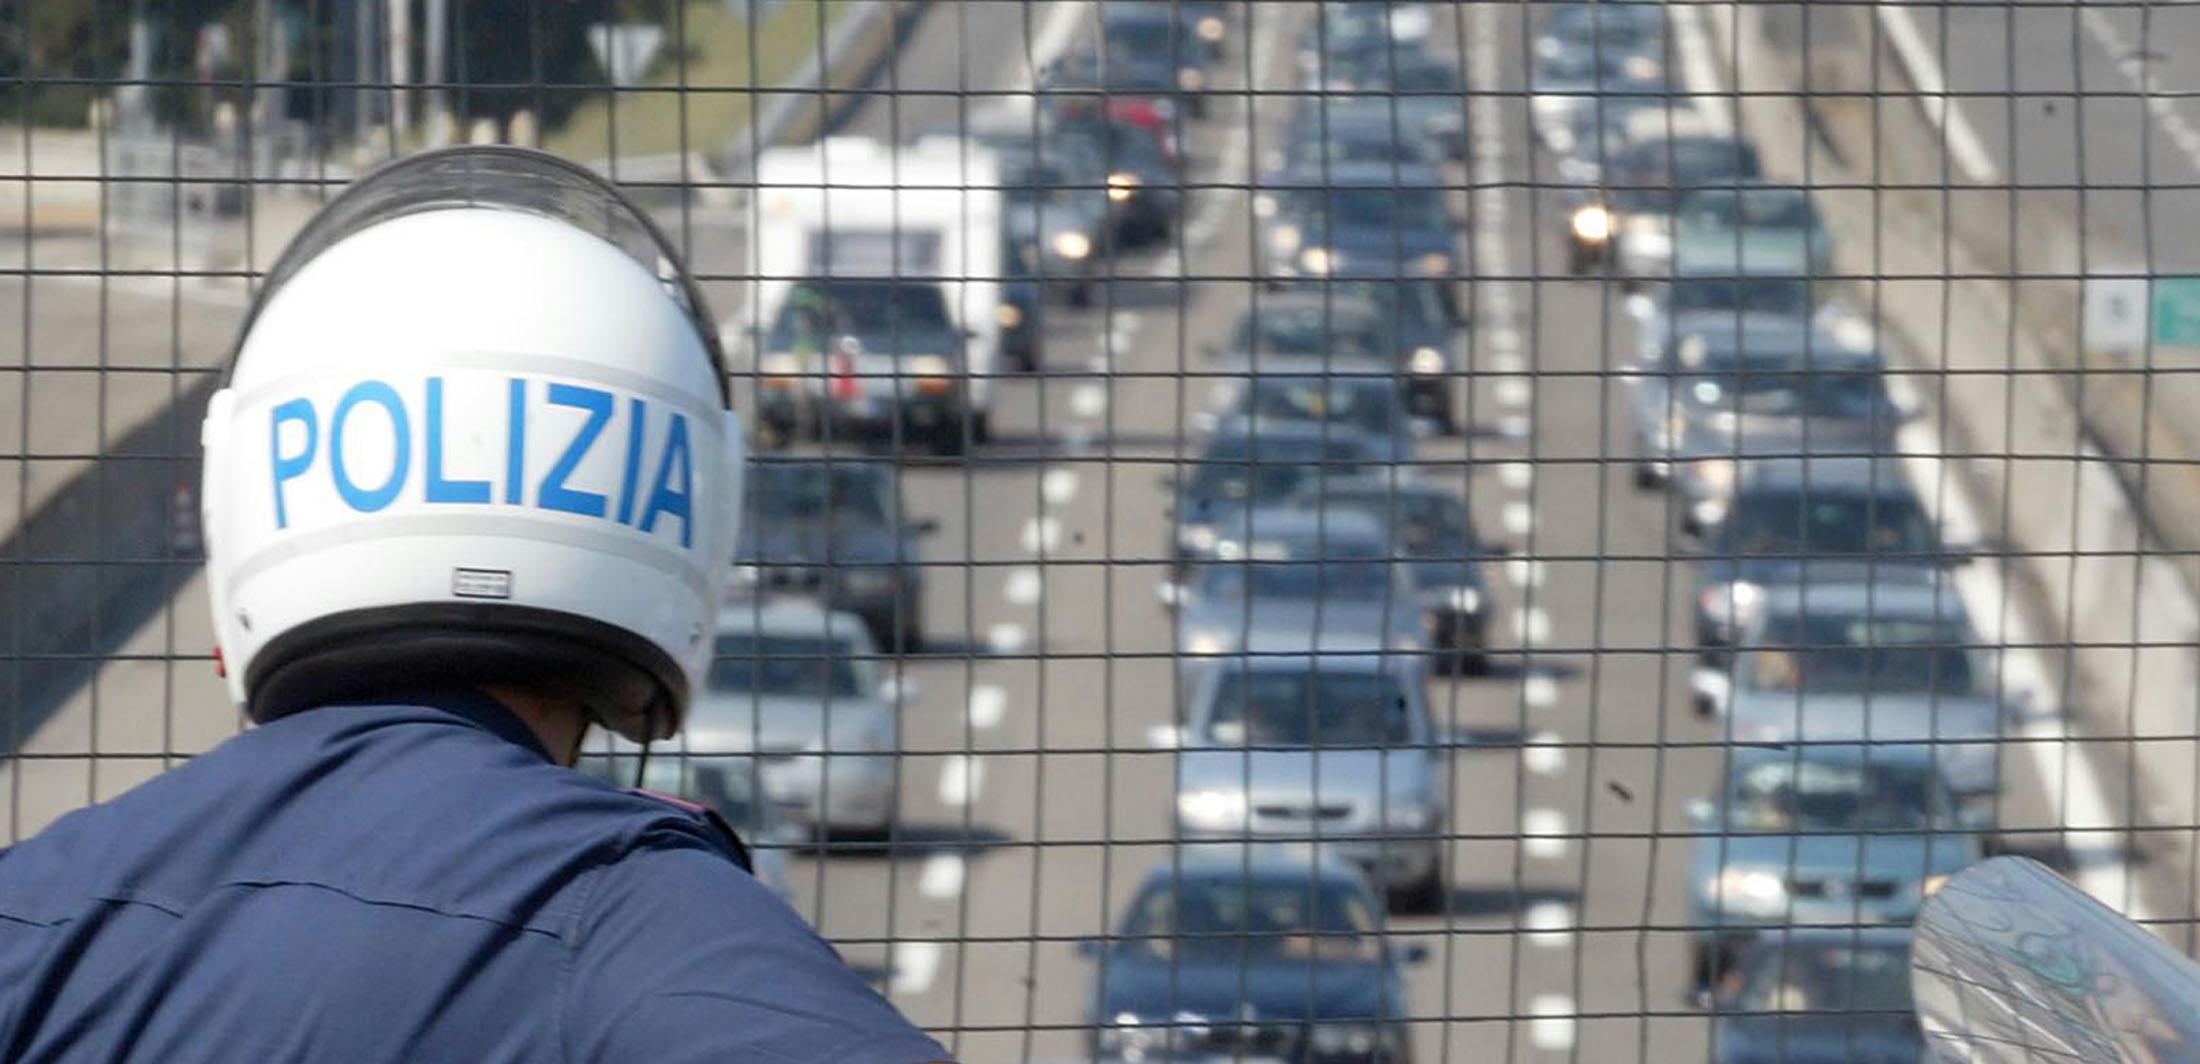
(2177, 311)
(2115, 314)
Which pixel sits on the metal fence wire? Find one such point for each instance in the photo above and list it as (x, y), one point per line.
(1312, 530)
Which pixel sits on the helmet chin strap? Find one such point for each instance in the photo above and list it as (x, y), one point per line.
(649, 721)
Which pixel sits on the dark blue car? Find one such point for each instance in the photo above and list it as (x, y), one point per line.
(1252, 954)
(1367, 220)
(1818, 996)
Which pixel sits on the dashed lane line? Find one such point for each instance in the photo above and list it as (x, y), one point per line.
(1543, 833)
(988, 704)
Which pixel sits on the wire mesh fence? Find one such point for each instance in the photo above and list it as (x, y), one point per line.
(1298, 529)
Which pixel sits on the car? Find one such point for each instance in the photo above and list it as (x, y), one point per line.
(889, 365)
(1816, 835)
(1349, 395)
(1426, 90)
(1814, 519)
(1893, 662)
(1310, 579)
(1336, 747)
(1428, 527)
(1367, 220)
(1701, 295)
(728, 787)
(840, 530)
(1838, 407)
(1753, 227)
(1621, 28)
(1153, 33)
(1574, 75)
(1818, 995)
(1055, 214)
(1717, 370)
(1132, 142)
(1244, 464)
(1666, 156)
(1357, 28)
(1420, 324)
(1265, 954)
(1596, 136)
(1326, 129)
(798, 693)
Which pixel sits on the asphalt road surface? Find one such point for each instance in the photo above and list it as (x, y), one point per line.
(1033, 800)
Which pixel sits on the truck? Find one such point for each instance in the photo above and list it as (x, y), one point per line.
(877, 272)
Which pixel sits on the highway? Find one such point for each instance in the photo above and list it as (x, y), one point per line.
(1034, 800)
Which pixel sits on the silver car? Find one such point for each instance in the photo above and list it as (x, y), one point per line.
(1335, 750)
(1324, 578)
(1879, 662)
(801, 690)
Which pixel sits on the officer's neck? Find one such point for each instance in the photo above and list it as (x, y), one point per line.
(558, 721)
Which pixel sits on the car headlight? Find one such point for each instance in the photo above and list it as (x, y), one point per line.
(1206, 643)
(1316, 260)
(1732, 604)
(1190, 79)
(1434, 264)
(1008, 315)
(1072, 245)
(1121, 185)
(1427, 361)
(1346, 1039)
(1197, 537)
(1466, 599)
(1212, 28)
(1284, 238)
(1211, 809)
(1716, 474)
(1748, 890)
(1593, 224)
(1932, 885)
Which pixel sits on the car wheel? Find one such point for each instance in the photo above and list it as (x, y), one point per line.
(1646, 477)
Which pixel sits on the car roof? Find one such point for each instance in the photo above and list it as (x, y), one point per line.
(1882, 475)
(1934, 599)
(1260, 861)
(1315, 174)
(789, 617)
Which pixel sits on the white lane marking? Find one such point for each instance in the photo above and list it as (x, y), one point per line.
(1515, 391)
(1518, 518)
(1042, 534)
(988, 704)
(1516, 475)
(1514, 426)
(1524, 572)
(1508, 363)
(942, 876)
(1552, 1030)
(1532, 626)
(1964, 147)
(960, 779)
(1058, 486)
(1699, 66)
(1542, 755)
(1005, 638)
(1089, 400)
(1024, 586)
(2164, 108)
(1540, 689)
(1504, 339)
(1542, 831)
(1097, 364)
(1550, 924)
(915, 963)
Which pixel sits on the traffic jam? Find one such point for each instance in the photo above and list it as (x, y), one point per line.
(1205, 348)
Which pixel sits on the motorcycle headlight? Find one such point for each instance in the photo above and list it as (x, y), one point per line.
(1121, 185)
(1716, 474)
(1284, 238)
(1212, 810)
(1427, 361)
(1212, 28)
(1748, 890)
(1316, 260)
(1190, 79)
(1434, 264)
(1008, 315)
(1072, 245)
(1593, 224)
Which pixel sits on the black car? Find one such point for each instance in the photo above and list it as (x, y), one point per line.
(1136, 164)
(1142, 34)
(1364, 220)
(1429, 93)
(839, 530)
(1237, 955)
(1352, 129)
(1420, 324)
(1429, 528)
(1818, 995)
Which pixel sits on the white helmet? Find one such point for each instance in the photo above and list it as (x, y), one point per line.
(477, 430)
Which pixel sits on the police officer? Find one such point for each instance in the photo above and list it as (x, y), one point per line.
(471, 488)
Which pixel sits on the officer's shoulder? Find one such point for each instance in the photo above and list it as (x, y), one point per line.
(659, 810)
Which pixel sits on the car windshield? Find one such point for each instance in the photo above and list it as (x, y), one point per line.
(1409, 210)
(1313, 707)
(1857, 655)
(882, 314)
(1831, 978)
(1784, 793)
(1291, 916)
(752, 663)
(1762, 208)
(1618, 27)
(1310, 329)
(1369, 405)
(1364, 581)
(781, 492)
(1797, 521)
(1776, 295)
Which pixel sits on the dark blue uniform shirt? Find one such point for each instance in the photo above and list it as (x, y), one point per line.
(410, 883)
